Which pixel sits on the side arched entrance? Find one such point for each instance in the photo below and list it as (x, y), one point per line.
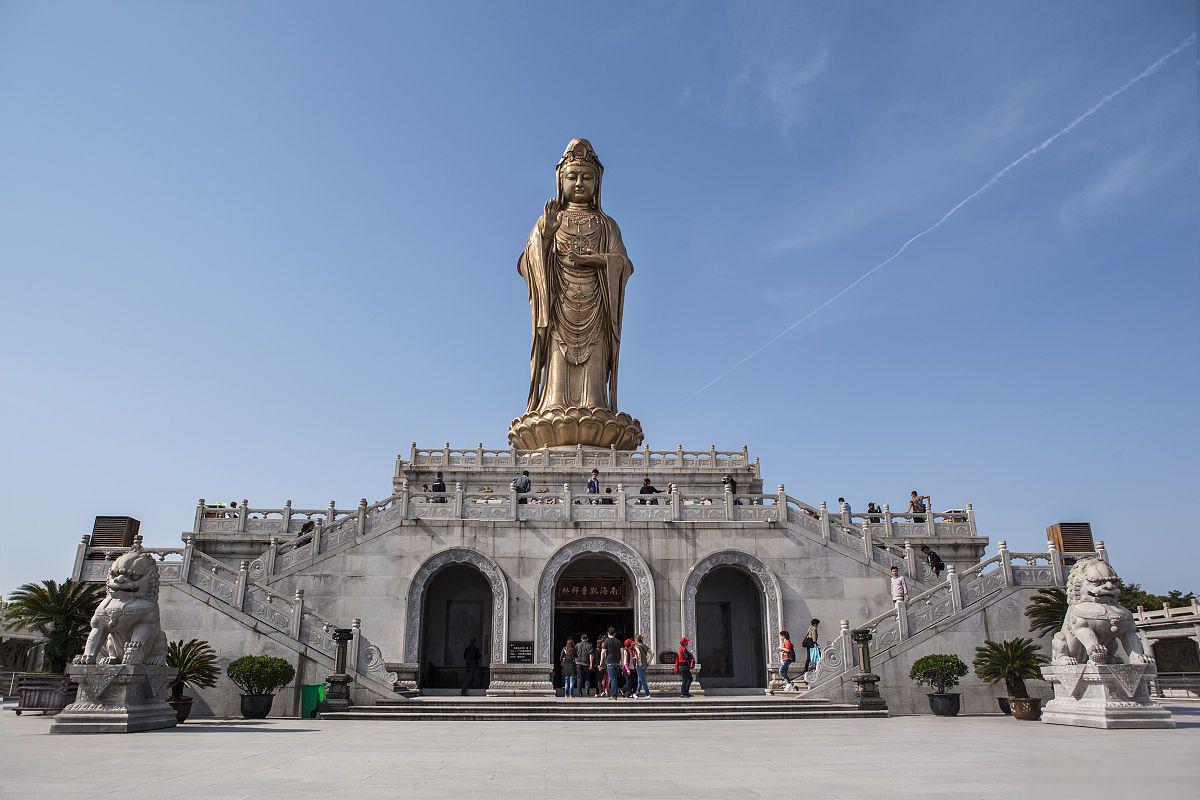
(732, 611)
(457, 600)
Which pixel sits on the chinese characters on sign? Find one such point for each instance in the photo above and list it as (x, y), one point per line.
(592, 591)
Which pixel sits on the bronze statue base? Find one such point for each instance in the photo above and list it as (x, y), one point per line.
(559, 427)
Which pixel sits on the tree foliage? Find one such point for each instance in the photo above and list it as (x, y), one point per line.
(1046, 611)
(1133, 595)
(260, 674)
(941, 671)
(197, 665)
(1011, 661)
(60, 612)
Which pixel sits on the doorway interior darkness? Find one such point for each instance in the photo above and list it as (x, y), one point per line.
(574, 617)
(458, 608)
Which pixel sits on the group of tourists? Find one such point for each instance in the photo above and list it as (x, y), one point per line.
(787, 653)
(610, 667)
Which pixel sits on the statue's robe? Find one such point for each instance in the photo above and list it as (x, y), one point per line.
(576, 316)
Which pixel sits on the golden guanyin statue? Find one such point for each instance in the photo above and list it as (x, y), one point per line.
(576, 267)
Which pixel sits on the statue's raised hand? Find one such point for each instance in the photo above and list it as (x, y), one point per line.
(550, 221)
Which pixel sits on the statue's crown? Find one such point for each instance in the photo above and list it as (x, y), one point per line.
(580, 151)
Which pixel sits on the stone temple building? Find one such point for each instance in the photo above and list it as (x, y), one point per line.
(678, 542)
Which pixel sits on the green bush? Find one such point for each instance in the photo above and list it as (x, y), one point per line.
(1011, 661)
(940, 671)
(261, 674)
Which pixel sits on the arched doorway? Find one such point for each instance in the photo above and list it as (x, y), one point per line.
(732, 611)
(593, 593)
(457, 614)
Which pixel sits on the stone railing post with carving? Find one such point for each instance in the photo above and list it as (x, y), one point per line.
(566, 498)
(971, 520)
(956, 602)
(844, 511)
(513, 500)
(458, 500)
(272, 551)
(902, 618)
(352, 655)
(1005, 562)
(728, 502)
(315, 550)
(405, 498)
(1101, 551)
(80, 556)
(287, 516)
(910, 560)
(612, 455)
(887, 523)
(781, 514)
(621, 509)
(331, 513)
(361, 526)
(185, 564)
(676, 503)
(297, 614)
(824, 509)
(1056, 565)
(242, 515)
(239, 594)
(866, 541)
(199, 515)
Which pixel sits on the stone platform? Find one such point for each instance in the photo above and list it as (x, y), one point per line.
(1104, 696)
(118, 698)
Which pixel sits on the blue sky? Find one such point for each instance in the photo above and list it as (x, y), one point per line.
(255, 249)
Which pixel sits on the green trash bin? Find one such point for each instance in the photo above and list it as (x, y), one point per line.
(310, 695)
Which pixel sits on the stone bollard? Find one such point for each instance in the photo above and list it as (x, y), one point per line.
(337, 693)
(866, 689)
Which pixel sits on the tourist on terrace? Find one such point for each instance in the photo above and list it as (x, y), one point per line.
(642, 656)
(787, 657)
(472, 657)
(567, 659)
(611, 651)
(731, 486)
(873, 508)
(233, 512)
(608, 500)
(585, 657)
(899, 586)
(843, 505)
(935, 562)
(439, 486)
(685, 662)
(648, 489)
(593, 485)
(810, 644)
(628, 669)
(916, 505)
(522, 484)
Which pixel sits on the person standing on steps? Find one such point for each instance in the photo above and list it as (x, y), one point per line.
(935, 562)
(471, 657)
(585, 655)
(685, 662)
(787, 657)
(642, 655)
(593, 486)
(612, 653)
(567, 660)
(899, 586)
(916, 505)
(810, 643)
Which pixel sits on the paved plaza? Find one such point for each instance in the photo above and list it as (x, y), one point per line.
(926, 757)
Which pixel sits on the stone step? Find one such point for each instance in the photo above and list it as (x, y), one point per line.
(435, 706)
(619, 714)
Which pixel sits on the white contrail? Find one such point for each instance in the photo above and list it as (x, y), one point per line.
(1030, 153)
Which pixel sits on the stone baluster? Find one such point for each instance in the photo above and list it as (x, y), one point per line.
(185, 564)
(844, 511)
(757, 465)
(824, 510)
(1056, 565)
(269, 561)
(399, 465)
(513, 505)
(910, 560)
(412, 458)
(458, 500)
(844, 638)
(242, 515)
(566, 500)
(1166, 609)
(956, 602)
(930, 527)
(446, 454)
(902, 618)
(287, 516)
(199, 516)
(239, 593)
(352, 654)
(513, 455)
(1141, 613)
(887, 522)
(405, 498)
(361, 526)
(781, 513)
(315, 550)
(578, 455)
(867, 541)
(728, 495)
(331, 513)
(746, 455)
(712, 456)
(612, 455)
(1101, 551)
(621, 509)
(866, 689)
(85, 541)
(297, 614)
(678, 456)
(479, 454)
(971, 520)
(676, 501)
(1005, 562)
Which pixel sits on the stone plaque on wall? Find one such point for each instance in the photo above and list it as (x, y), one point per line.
(584, 590)
(520, 652)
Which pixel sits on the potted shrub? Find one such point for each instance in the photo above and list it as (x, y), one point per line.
(259, 677)
(197, 665)
(940, 672)
(1012, 661)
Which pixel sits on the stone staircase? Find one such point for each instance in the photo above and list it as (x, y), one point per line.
(652, 709)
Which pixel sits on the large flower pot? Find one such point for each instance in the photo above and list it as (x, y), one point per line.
(256, 706)
(1005, 708)
(1026, 708)
(182, 706)
(946, 704)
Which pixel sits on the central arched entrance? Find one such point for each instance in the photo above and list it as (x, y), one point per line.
(593, 593)
(457, 616)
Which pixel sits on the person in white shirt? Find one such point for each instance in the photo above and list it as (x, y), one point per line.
(899, 585)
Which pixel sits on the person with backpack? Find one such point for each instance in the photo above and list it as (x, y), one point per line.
(612, 653)
(935, 561)
(812, 649)
(787, 657)
(685, 662)
(567, 660)
(585, 657)
(642, 655)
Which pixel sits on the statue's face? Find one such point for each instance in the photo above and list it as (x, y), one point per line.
(132, 575)
(1100, 584)
(578, 183)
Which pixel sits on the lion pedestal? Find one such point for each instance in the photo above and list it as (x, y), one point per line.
(1104, 696)
(118, 698)
(1092, 686)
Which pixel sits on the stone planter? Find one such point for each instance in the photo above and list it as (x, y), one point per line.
(1026, 708)
(256, 706)
(182, 706)
(1005, 706)
(945, 704)
(45, 693)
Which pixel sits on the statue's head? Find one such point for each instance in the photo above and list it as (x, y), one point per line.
(579, 172)
(133, 575)
(1092, 580)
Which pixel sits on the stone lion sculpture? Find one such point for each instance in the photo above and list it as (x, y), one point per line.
(1095, 620)
(125, 627)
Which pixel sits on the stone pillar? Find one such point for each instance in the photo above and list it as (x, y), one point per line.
(887, 524)
(297, 614)
(824, 509)
(1056, 566)
(199, 515)
(287, 516)
(866, 541)
(1005, 562)
(621, 503)
(781, 505)
(566, 498)
(361, 527)
(866, 690)
(955, 590)
(80, 556)
(910, 560)
(272, 551)
(239, 593)
(337, 692)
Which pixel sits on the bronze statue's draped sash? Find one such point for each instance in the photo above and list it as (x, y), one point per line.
(539, 266)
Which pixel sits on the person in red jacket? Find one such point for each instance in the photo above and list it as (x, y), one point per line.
(685, 662)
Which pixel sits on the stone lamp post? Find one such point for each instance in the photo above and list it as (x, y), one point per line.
(337, 695)
(865, 682)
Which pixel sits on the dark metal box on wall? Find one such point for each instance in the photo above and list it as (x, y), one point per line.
(114, 531)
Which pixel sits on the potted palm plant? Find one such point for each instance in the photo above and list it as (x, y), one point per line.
(940, 671)
(259, 677)
(1012, 661)
(197, 665)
